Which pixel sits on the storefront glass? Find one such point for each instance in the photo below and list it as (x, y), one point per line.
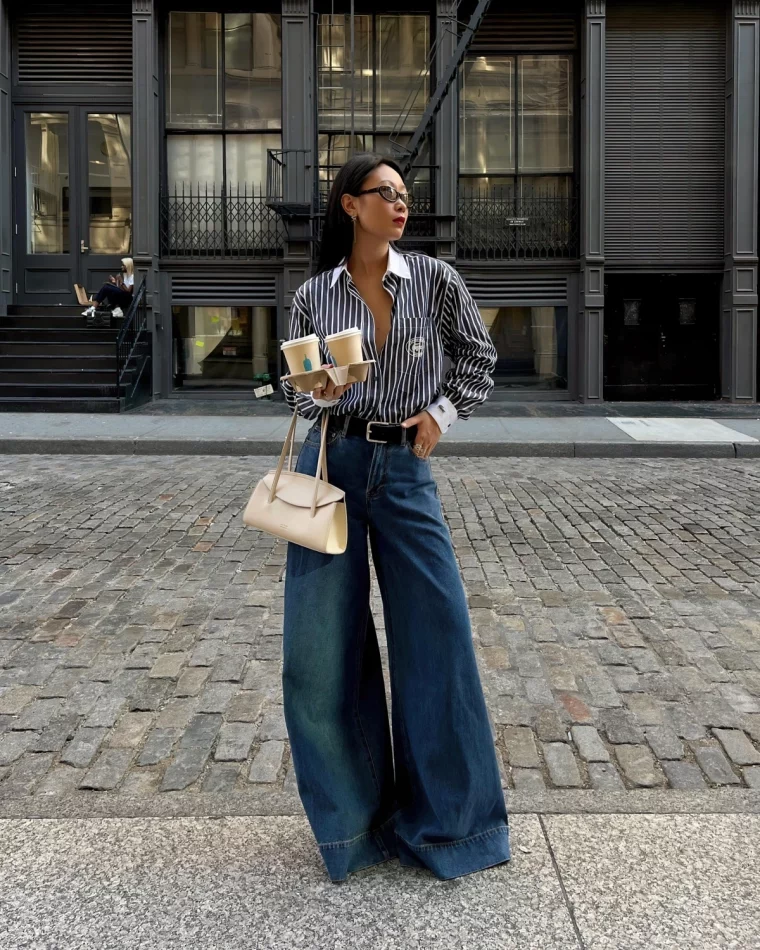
(531, 343)
(224, 347)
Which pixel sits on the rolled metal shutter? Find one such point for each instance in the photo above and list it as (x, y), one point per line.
(508, 290)
(214, 289)
(664, 142)
(552, 28)
(75, 48)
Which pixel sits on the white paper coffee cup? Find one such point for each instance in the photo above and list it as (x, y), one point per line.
(302, 354)
(346, 346)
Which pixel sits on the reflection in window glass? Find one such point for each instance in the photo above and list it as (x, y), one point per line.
(224, 347)
(545, 113)
(542, 122)
(402, 45)
(531, 344)
(47, 182)
(334, 72)
(247, 160)
(194, 162)
(252, 71)
(487, 115)
(194, 86)
(110, 183)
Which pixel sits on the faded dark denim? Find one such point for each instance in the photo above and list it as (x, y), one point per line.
(440, 805)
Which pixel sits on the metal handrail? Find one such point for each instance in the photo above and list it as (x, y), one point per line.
(130, 334)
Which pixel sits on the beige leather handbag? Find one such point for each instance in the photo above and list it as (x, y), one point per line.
(304, 509)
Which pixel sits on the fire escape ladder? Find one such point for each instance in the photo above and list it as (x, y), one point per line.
(410, 152)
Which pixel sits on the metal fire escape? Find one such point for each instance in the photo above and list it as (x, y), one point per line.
(292, 175)
(410, 152)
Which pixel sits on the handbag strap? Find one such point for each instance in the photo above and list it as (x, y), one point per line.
(321, 463)
(288, 446)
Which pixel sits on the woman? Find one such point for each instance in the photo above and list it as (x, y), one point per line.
(444, 808)
(118, 291)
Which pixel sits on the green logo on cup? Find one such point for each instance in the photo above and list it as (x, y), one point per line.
(307, 367)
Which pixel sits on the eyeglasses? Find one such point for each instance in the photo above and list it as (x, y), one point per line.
(389, 193)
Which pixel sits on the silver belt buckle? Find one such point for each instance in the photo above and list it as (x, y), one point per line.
(369, 437)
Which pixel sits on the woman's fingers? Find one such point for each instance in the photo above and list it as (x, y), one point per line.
(330, 390)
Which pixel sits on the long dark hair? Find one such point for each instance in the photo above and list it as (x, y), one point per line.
(338, 231)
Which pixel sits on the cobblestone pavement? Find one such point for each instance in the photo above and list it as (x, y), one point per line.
(615, 609)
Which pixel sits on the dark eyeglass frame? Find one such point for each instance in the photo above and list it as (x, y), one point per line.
(390, 194)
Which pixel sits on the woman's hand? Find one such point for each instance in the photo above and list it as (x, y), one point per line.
(330, 390)
(428, 433)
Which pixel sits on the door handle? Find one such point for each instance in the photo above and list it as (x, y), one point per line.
(82, 248)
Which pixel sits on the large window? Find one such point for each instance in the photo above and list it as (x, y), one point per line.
(517, 194)
(223, 112)
(531, 346)
(224, 347)
(388, 79)
(224, 96)
(516, 124)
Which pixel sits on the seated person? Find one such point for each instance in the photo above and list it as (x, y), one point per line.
(118, 291)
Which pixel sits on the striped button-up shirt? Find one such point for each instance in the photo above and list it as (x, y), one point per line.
(433, 314)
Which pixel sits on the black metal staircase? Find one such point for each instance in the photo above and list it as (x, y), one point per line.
(51, 361)
(411, 150)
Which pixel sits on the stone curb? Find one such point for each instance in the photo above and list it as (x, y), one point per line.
(274, 803)
(506, 449)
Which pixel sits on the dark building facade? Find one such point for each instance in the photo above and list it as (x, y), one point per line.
(591, 170)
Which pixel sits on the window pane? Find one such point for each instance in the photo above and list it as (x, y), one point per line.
(194, 95)
(545, 114)
(195, 175)
(545, 186)
(402, 80)
(531, 343)
(334, 151)
(488, 186)
(334, 72)
(487, 115)
(110, 182)
(194, 161)
(247, 160)
(47, 182)
(217, 347)
(252, 71)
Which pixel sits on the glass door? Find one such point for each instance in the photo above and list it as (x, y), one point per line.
(73, 200)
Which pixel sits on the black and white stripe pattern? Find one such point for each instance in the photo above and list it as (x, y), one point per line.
(433, 314)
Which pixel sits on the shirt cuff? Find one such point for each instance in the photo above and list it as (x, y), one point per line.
(326, 403)
(444, 412)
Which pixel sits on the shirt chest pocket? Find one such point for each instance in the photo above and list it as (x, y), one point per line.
(412, 347)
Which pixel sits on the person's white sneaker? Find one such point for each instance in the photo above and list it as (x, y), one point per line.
(117, 312)
(88, 312)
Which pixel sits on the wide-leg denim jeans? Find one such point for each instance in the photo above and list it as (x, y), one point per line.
(433, 798)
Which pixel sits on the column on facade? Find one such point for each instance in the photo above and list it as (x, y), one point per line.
(591, 308)
(6, 169)
(739, 311)
(145, 181)
(446, 135)
(297, 134)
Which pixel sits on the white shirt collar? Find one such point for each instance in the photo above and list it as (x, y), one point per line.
(396, 265)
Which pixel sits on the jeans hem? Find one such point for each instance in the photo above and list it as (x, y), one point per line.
(372, 847)
(457, 858)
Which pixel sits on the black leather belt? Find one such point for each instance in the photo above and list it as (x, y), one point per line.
(386, 432)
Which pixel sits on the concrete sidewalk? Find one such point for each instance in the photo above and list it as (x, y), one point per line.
(494, 436)
(618, 882)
